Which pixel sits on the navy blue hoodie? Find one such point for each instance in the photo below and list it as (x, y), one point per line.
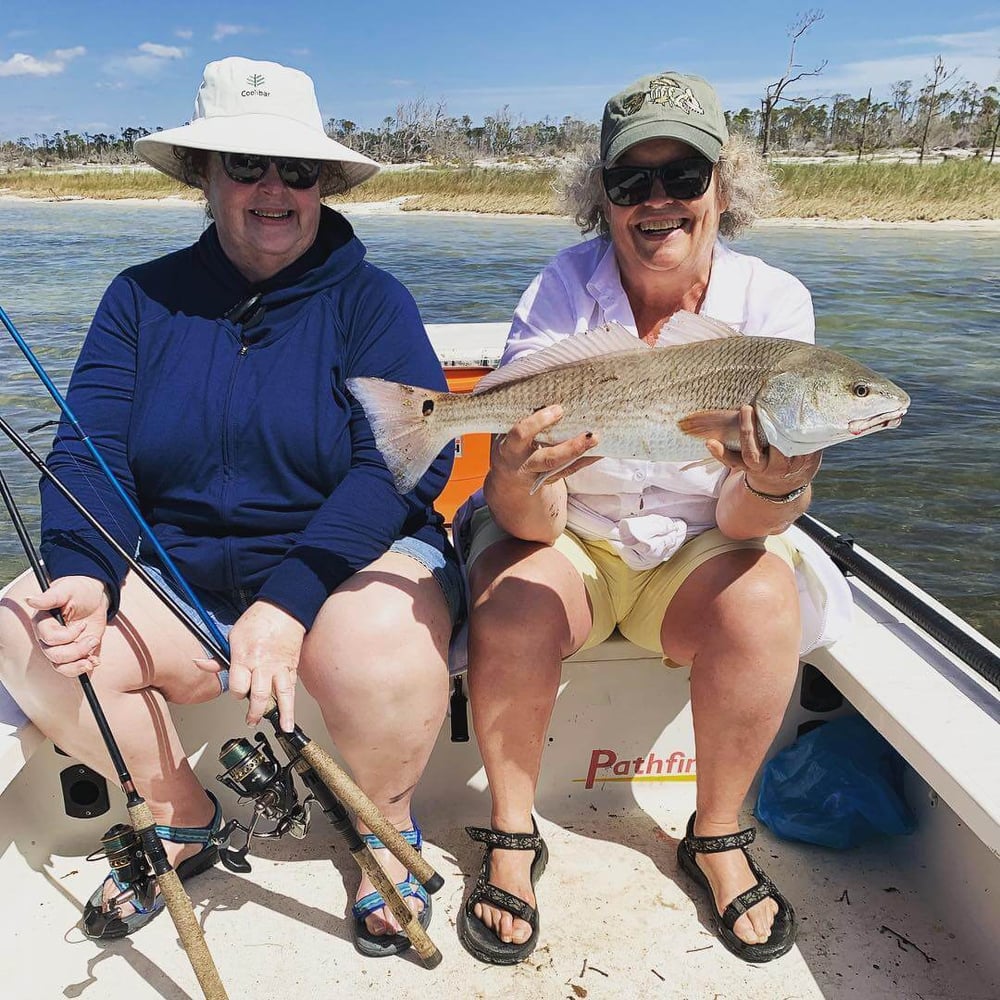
(237, 440)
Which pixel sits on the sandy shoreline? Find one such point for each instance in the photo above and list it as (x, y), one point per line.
(395, 207)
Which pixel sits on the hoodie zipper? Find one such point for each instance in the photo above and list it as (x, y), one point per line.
(228, 468)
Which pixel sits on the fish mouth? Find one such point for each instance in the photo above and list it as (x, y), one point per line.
(880, 422)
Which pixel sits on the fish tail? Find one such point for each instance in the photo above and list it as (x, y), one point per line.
(404, 419)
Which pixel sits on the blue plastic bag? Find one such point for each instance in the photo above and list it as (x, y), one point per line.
(838, 785)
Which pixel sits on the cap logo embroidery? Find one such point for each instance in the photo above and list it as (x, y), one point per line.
(255, 81)
(664, 90)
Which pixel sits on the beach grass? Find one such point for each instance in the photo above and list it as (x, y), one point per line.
(515, 191)
(889, 192)
(101, 184)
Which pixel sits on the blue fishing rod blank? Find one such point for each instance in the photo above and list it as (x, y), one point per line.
(112, 479)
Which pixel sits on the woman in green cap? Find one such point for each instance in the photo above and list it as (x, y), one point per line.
(689, 562)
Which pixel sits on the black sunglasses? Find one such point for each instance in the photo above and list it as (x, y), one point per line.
(681, 179)
(248, 168)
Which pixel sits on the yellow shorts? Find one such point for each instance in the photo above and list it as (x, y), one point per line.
(634, 601)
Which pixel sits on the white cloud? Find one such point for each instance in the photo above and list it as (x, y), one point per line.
(184, 33)
(979, 42)
(148, 60)
(227, 30)
(23, 64)
(161, 51)
(972, 55)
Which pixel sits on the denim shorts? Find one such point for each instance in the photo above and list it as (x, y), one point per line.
(223, 608)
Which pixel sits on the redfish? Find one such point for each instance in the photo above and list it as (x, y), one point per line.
(658, 403)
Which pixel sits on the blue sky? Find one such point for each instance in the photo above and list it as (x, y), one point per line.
(99, 66)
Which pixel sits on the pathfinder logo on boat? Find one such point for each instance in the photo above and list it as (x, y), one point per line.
(605, 765)
(255, 81)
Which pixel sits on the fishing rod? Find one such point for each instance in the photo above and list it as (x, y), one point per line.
(841, 550)
(254, 773)
(128, 848)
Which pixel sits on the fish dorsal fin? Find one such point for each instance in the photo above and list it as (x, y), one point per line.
(602, 341)
(689, 328)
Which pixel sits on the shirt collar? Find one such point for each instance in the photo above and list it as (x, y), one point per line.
(720, 303)
(605, 285)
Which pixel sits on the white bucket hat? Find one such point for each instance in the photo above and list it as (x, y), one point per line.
(248, 106)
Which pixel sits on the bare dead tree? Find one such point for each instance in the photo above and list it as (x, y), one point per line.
(930, 96)
(774, 92)
(866, 111)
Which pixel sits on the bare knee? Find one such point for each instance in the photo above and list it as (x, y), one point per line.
(526, 595)
(17, 638)
(763, 600)
(746, 601)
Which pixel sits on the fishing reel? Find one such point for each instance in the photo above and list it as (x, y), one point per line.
(126, 856)
(253, 772)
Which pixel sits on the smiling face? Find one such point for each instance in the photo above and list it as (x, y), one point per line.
(265, 226)
(664, 238)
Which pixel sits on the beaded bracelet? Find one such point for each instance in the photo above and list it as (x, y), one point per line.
(776, 498)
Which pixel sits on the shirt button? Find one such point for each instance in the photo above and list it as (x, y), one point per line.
(640, 475)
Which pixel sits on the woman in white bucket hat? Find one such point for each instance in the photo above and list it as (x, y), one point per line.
(213, 382)
(256, 108)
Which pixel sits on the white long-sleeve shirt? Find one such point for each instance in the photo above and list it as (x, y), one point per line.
(646, 510)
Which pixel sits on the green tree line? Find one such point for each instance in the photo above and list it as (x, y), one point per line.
(923, 118)
(964, 118)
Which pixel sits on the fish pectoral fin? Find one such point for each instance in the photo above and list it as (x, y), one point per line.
(718, 425)
(550, 475)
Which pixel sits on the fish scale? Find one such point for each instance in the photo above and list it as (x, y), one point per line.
(631, 402)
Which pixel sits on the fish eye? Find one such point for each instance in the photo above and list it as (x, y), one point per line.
(861, 390)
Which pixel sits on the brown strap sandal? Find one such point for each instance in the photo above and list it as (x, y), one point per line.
(479, 940)
(783, 929)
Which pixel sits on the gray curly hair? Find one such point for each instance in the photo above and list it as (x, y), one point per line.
(743, 177)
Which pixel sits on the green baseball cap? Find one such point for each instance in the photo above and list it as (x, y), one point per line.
(664, 105)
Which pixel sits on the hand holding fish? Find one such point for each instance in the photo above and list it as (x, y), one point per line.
(518, 454)
(771, 489)
(522, 470)
(772, 472)
(72, 648)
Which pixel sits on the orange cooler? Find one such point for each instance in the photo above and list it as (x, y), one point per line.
(472, 451)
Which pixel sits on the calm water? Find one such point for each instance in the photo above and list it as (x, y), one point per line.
(921, 307)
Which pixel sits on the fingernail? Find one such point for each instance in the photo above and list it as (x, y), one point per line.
(90, 642)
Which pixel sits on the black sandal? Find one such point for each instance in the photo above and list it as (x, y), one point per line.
(783, 929)
(478, 939)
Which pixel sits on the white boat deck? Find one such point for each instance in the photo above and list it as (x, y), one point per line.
(616, 919)
(901, 917)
